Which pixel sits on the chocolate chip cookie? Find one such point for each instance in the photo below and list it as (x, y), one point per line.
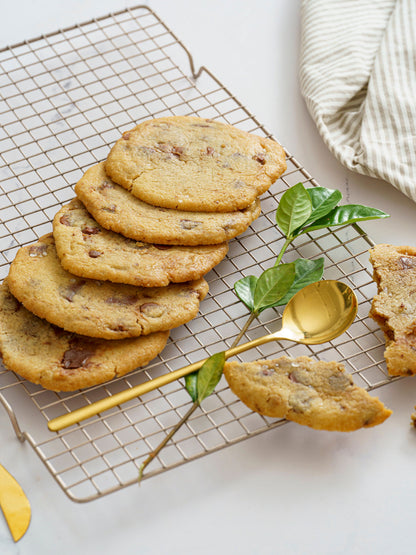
(317, 394)
(116, 209)
(394, 306)
(97, 308)
(61, 361)
(194, 164)
(88, 250)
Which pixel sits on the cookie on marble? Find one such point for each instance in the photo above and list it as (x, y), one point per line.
(194, 164)
(86, 249)
(394, 306)
(317, 394)
(61, 361)
(97, 308)
(116, 209)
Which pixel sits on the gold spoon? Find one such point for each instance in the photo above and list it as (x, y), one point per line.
(316, 314)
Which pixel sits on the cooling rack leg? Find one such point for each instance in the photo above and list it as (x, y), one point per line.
(195, 73)
(19, 434)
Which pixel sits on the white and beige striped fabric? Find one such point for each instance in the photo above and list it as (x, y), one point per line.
(358, 78)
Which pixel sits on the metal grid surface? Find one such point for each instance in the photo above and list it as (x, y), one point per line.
(65, 98)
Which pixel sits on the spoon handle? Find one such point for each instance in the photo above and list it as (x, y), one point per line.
(93, 409)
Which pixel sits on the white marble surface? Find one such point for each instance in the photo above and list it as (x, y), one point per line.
(289, 491)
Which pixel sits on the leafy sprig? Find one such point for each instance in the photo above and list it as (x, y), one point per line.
(300, 211)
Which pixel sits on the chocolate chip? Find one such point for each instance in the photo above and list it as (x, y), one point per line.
(38, 250)
(119, 327)
(94, 254)
(210, 151)
(177, 151)
(89, 230)
(77, 356)
(70, 292)
(126, 136)
(105, 185)
(293, 377)
(65, 220)
(59, 332)
(171, 149)
(164, 147)
(122, 301)
(260, 158)
(189, 224)
(198, 293)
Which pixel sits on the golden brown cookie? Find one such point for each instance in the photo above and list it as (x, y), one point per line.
(189, 163)
(97, 308)
(47, 355)
(116, 209)
(394, 306)
(88, 250)
(316, 394)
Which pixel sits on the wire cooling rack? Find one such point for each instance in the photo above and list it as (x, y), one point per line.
(65, 99)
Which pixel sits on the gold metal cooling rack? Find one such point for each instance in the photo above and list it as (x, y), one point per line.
(65, 98)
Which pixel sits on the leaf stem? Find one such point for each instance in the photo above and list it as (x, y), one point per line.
(252, 317)
(283, 249)
(161, 445)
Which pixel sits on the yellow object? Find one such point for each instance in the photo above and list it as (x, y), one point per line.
(15, 505)
(316, 314)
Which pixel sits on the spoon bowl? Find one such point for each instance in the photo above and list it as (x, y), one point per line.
(317, 313)
(320, 312)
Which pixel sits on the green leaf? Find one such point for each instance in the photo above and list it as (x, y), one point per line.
(209, 375)
(272, 285)
(244, 289)
(347, 214)
(191, 385)
(294, 209)
(306, 272)
(323, 201)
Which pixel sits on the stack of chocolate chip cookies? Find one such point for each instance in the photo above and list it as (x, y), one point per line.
(126, 260)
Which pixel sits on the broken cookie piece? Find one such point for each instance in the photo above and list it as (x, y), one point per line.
(394, 306)
(317, 394)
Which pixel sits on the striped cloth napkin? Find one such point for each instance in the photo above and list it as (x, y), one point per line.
(358, 78)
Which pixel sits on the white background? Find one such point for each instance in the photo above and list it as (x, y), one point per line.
(289, 491)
